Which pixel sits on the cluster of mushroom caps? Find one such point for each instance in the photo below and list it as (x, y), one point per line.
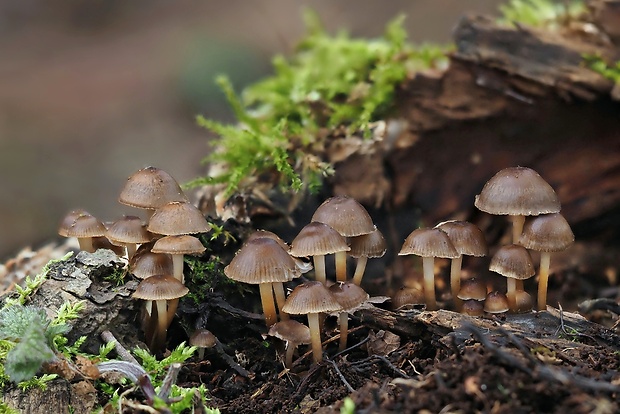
(534, 207)
(163, 239)
(340, 226)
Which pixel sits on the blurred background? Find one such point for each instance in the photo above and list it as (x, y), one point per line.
(91, 91)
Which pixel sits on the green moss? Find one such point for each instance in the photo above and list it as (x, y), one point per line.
(549, 14)
(208, 275)
(331, 81)
(598, 64)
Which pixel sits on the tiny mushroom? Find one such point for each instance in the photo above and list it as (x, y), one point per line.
(524, 302)
(407, 296)
(473, 307)
(202, 339)
(264, 262)
(293, 333)
(429, 243)
(128, 232)
(362, 247)
(347, 217)
(177, 218)
(546, 234)
(177, 247)
(496, 302)
(317, 240)
(312, 298)
(515, 263)
(472, 289)
(163, 290)
(350, 296)
(85, 227)
(146, 263)
(67, 221)
(468, 240)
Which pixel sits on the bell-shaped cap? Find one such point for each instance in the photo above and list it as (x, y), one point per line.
(85, 225)
(345, 215)
(349, 295)
(496, 302)
(150, 188)
(427, 242)
(291, 331)
(128, 229)
(317, 239)
(146, 263)
(310, 297)
(202, 338)
(517, 191)
(176, 218)
(262, 260)
(546, 233)
(371, 245)
(473, 307)
(466, 237)
(160, 287)
(268, 234)
(472, 289)
(407, 296)
(183, 244)
(68, 220)
(513, 261)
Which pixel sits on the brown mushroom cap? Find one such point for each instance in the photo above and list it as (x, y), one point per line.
(68, 220)
(473, 307)
(496, 302)
(472, 289)
(146, 263)
(262, 260)
(310, 297)
(183, 244)
(268, 234)
(86, 225)
(128, 229)
(513, 261)
(524, 301)
(291, 331)
(407, 296)
(466, 237)
(369, 245)
(150, 188)
(517, 191)
(176, 218)
(427, 242)
(317, 239)
(345, 215)
(349, 295)
(160, 287)
(202, 338)
(547, 233)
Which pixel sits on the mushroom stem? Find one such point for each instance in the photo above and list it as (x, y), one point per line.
(429, 282)
(543, 278)
(86, 244)
(359, 270)
(177, 267)
(172, 309)
(290, 350)
(130, 249)
(159, 338)
(343, 322)
(341, 266)
(455, 281)
(315, 336)
(201, 353)
(319, 268)
(269, 306)
(278, 290)
(511, 293)
(517, 227)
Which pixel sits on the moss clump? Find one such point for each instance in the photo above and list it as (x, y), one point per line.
(548, 14)
(599, 65)
(330, 82)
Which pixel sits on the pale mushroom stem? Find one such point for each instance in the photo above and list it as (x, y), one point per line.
(343, 322)
(269, 306)
(130, 249)
(517, 229)
(172, 309)
(429, 282)
(359, 270)
(86, 244)
(159, 338)
(201, 353)
(543, 278)
(455, 281)
(511, 293)
(278, 290)
(315, 336)
(319, 268)
(177, 267)
(290, 351)
(341, 266)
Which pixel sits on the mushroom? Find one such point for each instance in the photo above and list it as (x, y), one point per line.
(294, 334)
(312, 298)
(85, 227)
(149, 189)
(407, 296)
(316, 240)
(524, 302)
(305, 267)
(262, 261)
(177, 218)
(128, 232)
(202, 339)
(496, 302)
(67, 221)
(473, 307)
(163, 290)
(362, 247)
(177, 247)
(468, 240)
(515, 263)
(146, 263)
(517, 192)
(472, 289)
(350, 296)
(347, 217)
(429, 243)
(546, 234)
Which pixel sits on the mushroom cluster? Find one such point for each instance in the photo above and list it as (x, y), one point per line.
(153, 247)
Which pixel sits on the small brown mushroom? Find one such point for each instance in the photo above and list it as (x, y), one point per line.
(85, 227)
(496, 302)
(312, 298)
(371, 245)
(146, 263)
(473, 307)
(515, 263)
(177, 218)
(128, 232)
(407, 296)
(202, 339)
(429, 243)
(350, 296)
(177, 247)
(294, 334)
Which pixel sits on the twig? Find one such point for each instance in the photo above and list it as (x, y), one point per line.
(122, 352)
(169, 380)
(229, 360)
(342, 378)
(563, 327)
(362, 342)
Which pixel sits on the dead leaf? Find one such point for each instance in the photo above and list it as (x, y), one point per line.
(383, 343)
